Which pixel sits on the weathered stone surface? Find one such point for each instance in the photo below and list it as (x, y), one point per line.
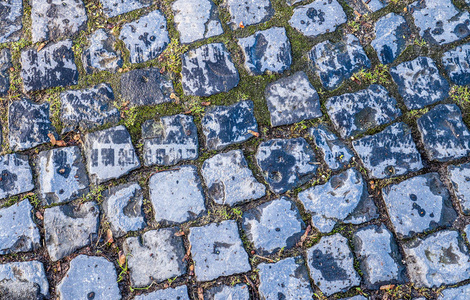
(358, 112)
(70, 227)
(23, 279)
(236, 292)
(178, 293)
(331, 265)
(5, 65)
(15, 174)
(419, 204)
(217, 250)
(89, 277)
(335, 153)
(208, 70)
(122, 206)
(11, 21)
(28, 124)
(52, 66)
(170, 140)
(110, 154)
(391, 152)
(62, 175)
(147, 37)
(391, 32)
(157, 255)
(336, 62)
(227, 125)
(273, 225)
(292, 99)
(267, 50)
(440, 22)
(18, 232)
(457, 64)
(249, 12)
(379, 257)
(177, 195)
(344, 198)
(286, 163)
(443, 133)
(359, 297)
(317, 18)
(460, 178)
(112, 8)
(419, 82)
(458, 293)
(286, 279)
(440, 258)
(101, 55)
(55, 19)
(196, 20)
(89, 108)
(367, 7)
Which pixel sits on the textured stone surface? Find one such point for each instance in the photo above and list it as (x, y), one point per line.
(101, 55)
(89, 277)
(196, 20)
(459, 293)
(62, 175)
(177, 195)
(208, 70)
(419, 82)
(70, 227)
(11, 21)
(443, 133)
(267, 50)
(226, 125)
(18, 232)
(419, 204)
(440, 258)
(292, 99)
(249, 12)
(286, 279)
(457, 64)
(217, 250)
(5, 65)
(460, 178)
(391, 32)
(344, 198)
(235, 292)
(157, 255)
(367, 7)
(23, 279)
(391, 152)
(146, 37)
(170, 140)
(52, 66)
(15, 174)
(358, 112)
(112, 8)
(286, 163)
(336, 62)
(331, 265)
(317, 18)
(178, 293)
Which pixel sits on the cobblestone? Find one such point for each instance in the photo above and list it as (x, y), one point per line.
(10, 24)
(179, 293)
(236, 292)
(249, 12)
(112, 8)
(460, 178)
(391, 32)
(101, 55)
(20, 279)
(5, 65)
(16, 176)
(457, 64)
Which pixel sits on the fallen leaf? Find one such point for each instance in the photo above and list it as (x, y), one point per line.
(39, 215)
(357, 14)
(191, 270)
(205, 103)
(52, 138)
(58, 267)
(41, 46)
(173, 96)
(61, 143)
(253, 133)
(304, 236)
(109, 236)
(179, 233)
(241, 25)
(121, 258)
(387, 287)
(200, 293)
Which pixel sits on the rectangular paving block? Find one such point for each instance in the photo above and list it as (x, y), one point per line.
(5, 65)
(249, 12)
(101, 54)
(457, 64)
(460, 177)
(11, 21)
(15, 174)
(112, 8)
(18, 279)
(391, 32)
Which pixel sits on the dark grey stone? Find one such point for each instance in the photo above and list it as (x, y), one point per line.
(344, 198)
(101, 55)
(336, 62)
(112, 8)
(458, 293)
(457, 64)
(217, 250)
(292, 99)
(391, 32)
(178, 293)
(234, 292)
(249, 12)
(169, 140)
(419, 82)
(358, 112)
(70, 227)
(226, 125)
(419, 204)
(52, 66)
(208, 70)
(23, 279)
(16, 176)
(5, 65)
(460, 178)
(367, 7)
(11, 21)
(286, 163)
(391, 152)
(443, 133)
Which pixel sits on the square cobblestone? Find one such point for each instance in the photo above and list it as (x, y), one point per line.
(15, 174)
(391, 32)
(112, 8)
(457, 64)
(235, 292)
(460, 178)
(18, 279)
(11, 21)
(178, 293)
(249, 12)
(101, 55)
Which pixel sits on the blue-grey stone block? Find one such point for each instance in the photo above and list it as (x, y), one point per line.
(101, 55)
(236, 292)
(460, 178)
(11, 21)
(178, 293)
(112, 8)
(391, 32)
(23, 279)
(249, 12)
(16, 176)
(5, 65)
(458, 293)
(457, 64)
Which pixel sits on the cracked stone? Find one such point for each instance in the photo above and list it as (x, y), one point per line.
(11, 21)
(23, 279)
(5, 65)
(178, 293)
(390, 37)
(235, 292)
(101, 55)
(112, 8)
(458, 293)
(460, 178)
(15, 176)
(367, 7)
(249, 12)
(457, 64)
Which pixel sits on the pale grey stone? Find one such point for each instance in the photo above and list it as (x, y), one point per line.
(177, 293)
(16, 176)
(101, 55)
(112, 8)
(249, 12)
(460, 178)
(391, 32)
(224, 292)
(11, 21)
(5, 65)
(457, 64)
(17, 278)
(458, 293)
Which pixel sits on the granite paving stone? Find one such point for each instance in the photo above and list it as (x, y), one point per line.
(208, 70)
(217, 250)
(367, 7)
(267, 51)
(112, 8)
(286, 279)
(177, 195)
(170, 140)
(457, 64)
(156, 255)
(391, 32)
(235, 292)
(11, 21)
(145, 38)
(358, 297)
(467, 231)
(5, 65)
(292, 99)
(336, 62)
(286, 163)
(23, 279)
(419, 82)
(15, 175)
(249, 12)
(70, 227)
(101, 55)
(458, 293)
(344, 198)
(331, 265)
(444, 134)
(178, 293)
(460, 177)
(389, 153)
(355, 113)
(419, 204)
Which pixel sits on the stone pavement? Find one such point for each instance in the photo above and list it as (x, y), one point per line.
(235, 149)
